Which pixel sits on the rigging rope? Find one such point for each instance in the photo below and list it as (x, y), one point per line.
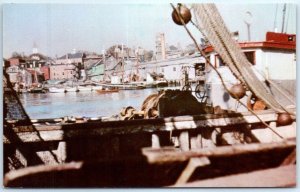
(220, 76)
(230, 52)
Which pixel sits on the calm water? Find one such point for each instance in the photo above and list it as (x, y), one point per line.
(87, 104)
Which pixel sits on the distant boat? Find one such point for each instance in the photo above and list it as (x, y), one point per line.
(82, 88)
(129, 86)
(124, 86)
(95, 88)
(56, 90)
(36, 90)
(102, 91)
(71, 89)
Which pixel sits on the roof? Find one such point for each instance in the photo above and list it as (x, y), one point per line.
(72, 56)
(273, 41)
(94, 64)
(41, 56)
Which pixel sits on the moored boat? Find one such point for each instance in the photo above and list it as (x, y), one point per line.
(56, 90)
(71, 89)
(94, 88)
(103, 91)
(84, 88)
(36, 90)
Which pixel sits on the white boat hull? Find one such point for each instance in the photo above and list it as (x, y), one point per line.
(71, 89)
(94, 88)
(84, 89)
(56, 90)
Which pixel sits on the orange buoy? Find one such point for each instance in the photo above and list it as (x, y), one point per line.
(184, 12)
(237, 91)
(284, 119)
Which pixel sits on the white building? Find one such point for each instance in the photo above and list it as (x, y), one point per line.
(172, 69)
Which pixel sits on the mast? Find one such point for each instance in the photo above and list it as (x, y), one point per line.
(123, 67)
(36, 78)
(275, 20)
(137, 64)
(104, 64)
(283, 16)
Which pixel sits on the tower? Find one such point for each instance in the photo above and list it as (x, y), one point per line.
(160, 46)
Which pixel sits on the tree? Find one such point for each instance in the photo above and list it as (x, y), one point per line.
(16, 55)
(111, 50)
(148, 55)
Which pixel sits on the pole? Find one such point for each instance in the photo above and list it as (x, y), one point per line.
(248, 29)
(283, 17)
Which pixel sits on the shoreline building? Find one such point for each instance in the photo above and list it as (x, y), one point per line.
(67, 66)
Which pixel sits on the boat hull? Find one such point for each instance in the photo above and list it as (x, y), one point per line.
(72, 89)
(56, 90)
(101, 91)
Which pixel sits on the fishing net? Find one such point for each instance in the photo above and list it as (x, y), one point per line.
(12, 107)
(210, 21)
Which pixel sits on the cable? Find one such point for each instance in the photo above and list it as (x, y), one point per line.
(219, 75)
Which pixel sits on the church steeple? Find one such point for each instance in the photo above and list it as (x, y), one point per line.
(34, 49)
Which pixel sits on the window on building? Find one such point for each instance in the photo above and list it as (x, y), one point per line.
(250, 55)
(219, 61)
(63, 73)
(71, 72)
(174, 68)
(162, 70)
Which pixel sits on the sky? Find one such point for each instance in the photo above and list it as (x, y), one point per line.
(56, 29)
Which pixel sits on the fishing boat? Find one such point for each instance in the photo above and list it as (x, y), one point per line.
(71, 89)
(82, 88)
(172, 151)
(129, 86)
(36, 90)
(173, 140)
(57, 90)
(111, 90)
(96, 87)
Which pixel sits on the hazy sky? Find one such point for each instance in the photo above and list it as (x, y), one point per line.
(58, 28)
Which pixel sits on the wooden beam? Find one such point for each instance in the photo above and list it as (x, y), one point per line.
(283, 176)
(169, 123)
(192, 165)
(291, 159)
(163, 155)
(68, 131)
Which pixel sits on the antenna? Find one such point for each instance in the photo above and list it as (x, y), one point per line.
(287, 18)
(283, 17)
(275, 20)
(248, 18)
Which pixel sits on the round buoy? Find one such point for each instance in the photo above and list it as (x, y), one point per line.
(237, 91)
(284, 119)
(184, 12)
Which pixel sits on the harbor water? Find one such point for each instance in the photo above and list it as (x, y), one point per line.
(84, 104)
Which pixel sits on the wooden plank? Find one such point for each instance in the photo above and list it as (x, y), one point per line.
(284, 176)
(170, 123)
(12, 175)
(155, 141)
(291, 159)
(67, 131)
(265, 135)
(192, 165)
(184, 141)
(161, 155)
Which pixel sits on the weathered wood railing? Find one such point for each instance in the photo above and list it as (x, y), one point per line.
(60, 143)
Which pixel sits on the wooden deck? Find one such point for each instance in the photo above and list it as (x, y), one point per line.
(145, 153)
